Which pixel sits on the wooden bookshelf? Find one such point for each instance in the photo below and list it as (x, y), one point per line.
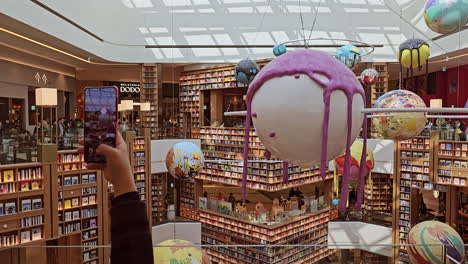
(222, 229)
(77, 207)
(381, 85)
(451, 164)
(190, 190)
(378, 196)
(24, 204)
(191, 83)
(158, 195)
(227, 143)
(151, 84)
(415, 162)
(139, 150)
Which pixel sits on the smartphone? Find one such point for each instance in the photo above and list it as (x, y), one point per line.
(100, 121)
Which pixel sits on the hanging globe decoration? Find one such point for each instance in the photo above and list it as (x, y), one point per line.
(356, 174)
(400, 125)
(349, 55)
(444, 16)
(369, 76)
(310, 89)
(279, 49)
(184, 160)
(413, 53)
(246, 70)
(430, 241)
(184, 253)
(335, 202)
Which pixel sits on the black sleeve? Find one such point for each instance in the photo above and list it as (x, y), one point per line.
(130, 231)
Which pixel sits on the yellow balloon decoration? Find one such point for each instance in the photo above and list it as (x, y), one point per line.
(414, 53)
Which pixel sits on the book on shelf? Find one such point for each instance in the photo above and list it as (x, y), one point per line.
(67, 181)
(8, 176)
(84, 201)
(1, 209)
(10, 208)
(84, 178)
(92, 222)
(92, 178)
(76, 214)
(35, 185)
(36, 233)
(75, 180)
(24, 186)
(92, 199)
(75, 202)
(68, 216)
(26, 205)
(25, 236)
(68, 204)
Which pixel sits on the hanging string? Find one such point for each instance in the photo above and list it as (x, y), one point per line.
(261, 21)
(302, 23)
(315, 19)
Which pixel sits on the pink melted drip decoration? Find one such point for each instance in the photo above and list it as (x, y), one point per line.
(285, 171)
(340, 77)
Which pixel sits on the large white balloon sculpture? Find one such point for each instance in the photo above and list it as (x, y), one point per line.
(306, 107)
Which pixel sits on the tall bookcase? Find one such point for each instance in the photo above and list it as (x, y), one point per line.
(158, 195)
(139, 151)
(151, 85)
(24, 204)
(77, 204)
(381, 85)
(378, 196)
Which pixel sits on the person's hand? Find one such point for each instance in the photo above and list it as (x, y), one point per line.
(117, 168)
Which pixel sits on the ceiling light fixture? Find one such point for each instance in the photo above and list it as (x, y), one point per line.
(61, 51)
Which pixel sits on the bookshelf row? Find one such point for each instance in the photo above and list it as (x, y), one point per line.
(227, 143)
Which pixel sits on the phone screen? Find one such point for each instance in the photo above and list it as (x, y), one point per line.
(100, 121)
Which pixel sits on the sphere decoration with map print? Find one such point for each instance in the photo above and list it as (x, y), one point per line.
(369, 76)
(354, 174)
(399, 125)
(444, 16)
(427, 240)
(349, 55)
(184, 160)
(246, 70)
(179, 255)
(294, 102)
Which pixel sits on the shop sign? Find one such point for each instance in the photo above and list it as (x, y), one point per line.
(41, 79)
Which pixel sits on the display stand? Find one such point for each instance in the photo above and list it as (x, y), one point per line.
(218, 229)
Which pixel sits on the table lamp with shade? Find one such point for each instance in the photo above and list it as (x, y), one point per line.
(435, 134)
(127, 105)
(46, 99)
